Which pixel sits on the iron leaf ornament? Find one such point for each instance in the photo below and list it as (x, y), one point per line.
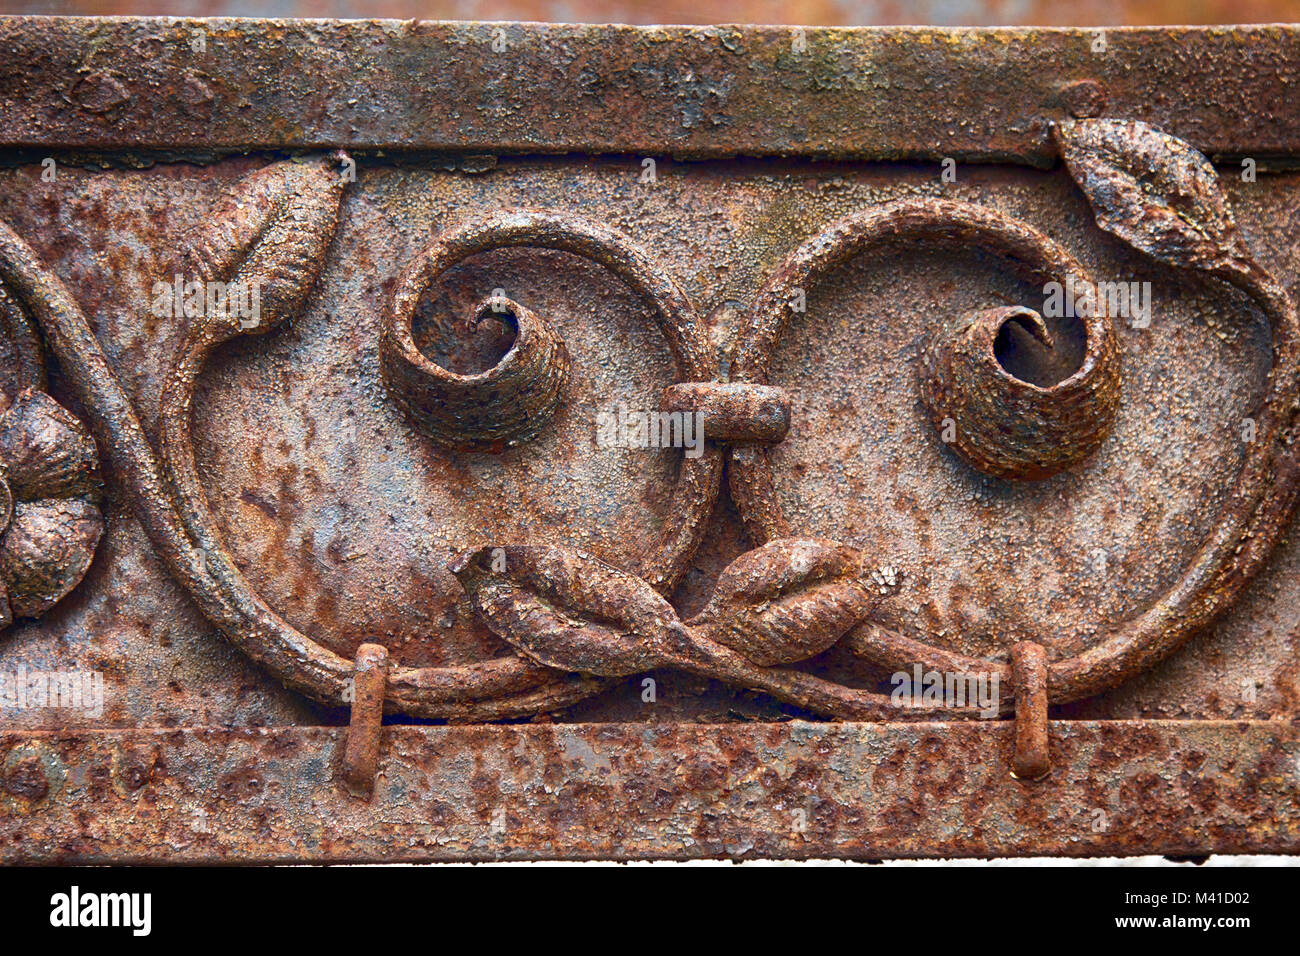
(1154, 191)
(783, 602)
(568, 615)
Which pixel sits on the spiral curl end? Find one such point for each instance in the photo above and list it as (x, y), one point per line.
(1003, 425)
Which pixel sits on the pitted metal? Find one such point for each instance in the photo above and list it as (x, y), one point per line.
(464, 462)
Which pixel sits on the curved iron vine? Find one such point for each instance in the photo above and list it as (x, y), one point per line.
(574, 621)
(1163, 198)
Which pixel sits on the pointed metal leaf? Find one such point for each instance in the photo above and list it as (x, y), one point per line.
(791, 599)
(566, 609)
(271, 233)
(1154, 191)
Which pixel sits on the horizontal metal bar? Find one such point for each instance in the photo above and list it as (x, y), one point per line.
(872, 93)
(792, 790)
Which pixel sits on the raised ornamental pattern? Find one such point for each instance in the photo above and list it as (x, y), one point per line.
(573, 620)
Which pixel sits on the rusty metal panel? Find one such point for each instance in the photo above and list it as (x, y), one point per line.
(870, 93)
(601, 791)
(348, 425)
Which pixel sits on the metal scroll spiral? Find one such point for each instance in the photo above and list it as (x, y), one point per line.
(1161, 197)
(274, 230)
(573, 620)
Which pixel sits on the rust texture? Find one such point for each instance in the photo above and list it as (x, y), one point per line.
(967, 13)
(50, 520)
(1031, 760)
(462, 455)
(1036, 430)
(740, 791)
(779, 604)
(733, 411)
(486, 410)
(361, 752)
(699, 92)
(1007, 426)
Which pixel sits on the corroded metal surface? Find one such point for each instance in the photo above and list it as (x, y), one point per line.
(50, 520)
(423, 475)
(361, 752)
(1032, 758)
(794, 790)
(273, 234)
(1202, 374)
(195, 85)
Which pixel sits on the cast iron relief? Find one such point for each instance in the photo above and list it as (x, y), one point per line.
(574, 621)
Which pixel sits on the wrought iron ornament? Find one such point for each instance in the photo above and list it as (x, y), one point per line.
(328, 441)
(573, 620)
